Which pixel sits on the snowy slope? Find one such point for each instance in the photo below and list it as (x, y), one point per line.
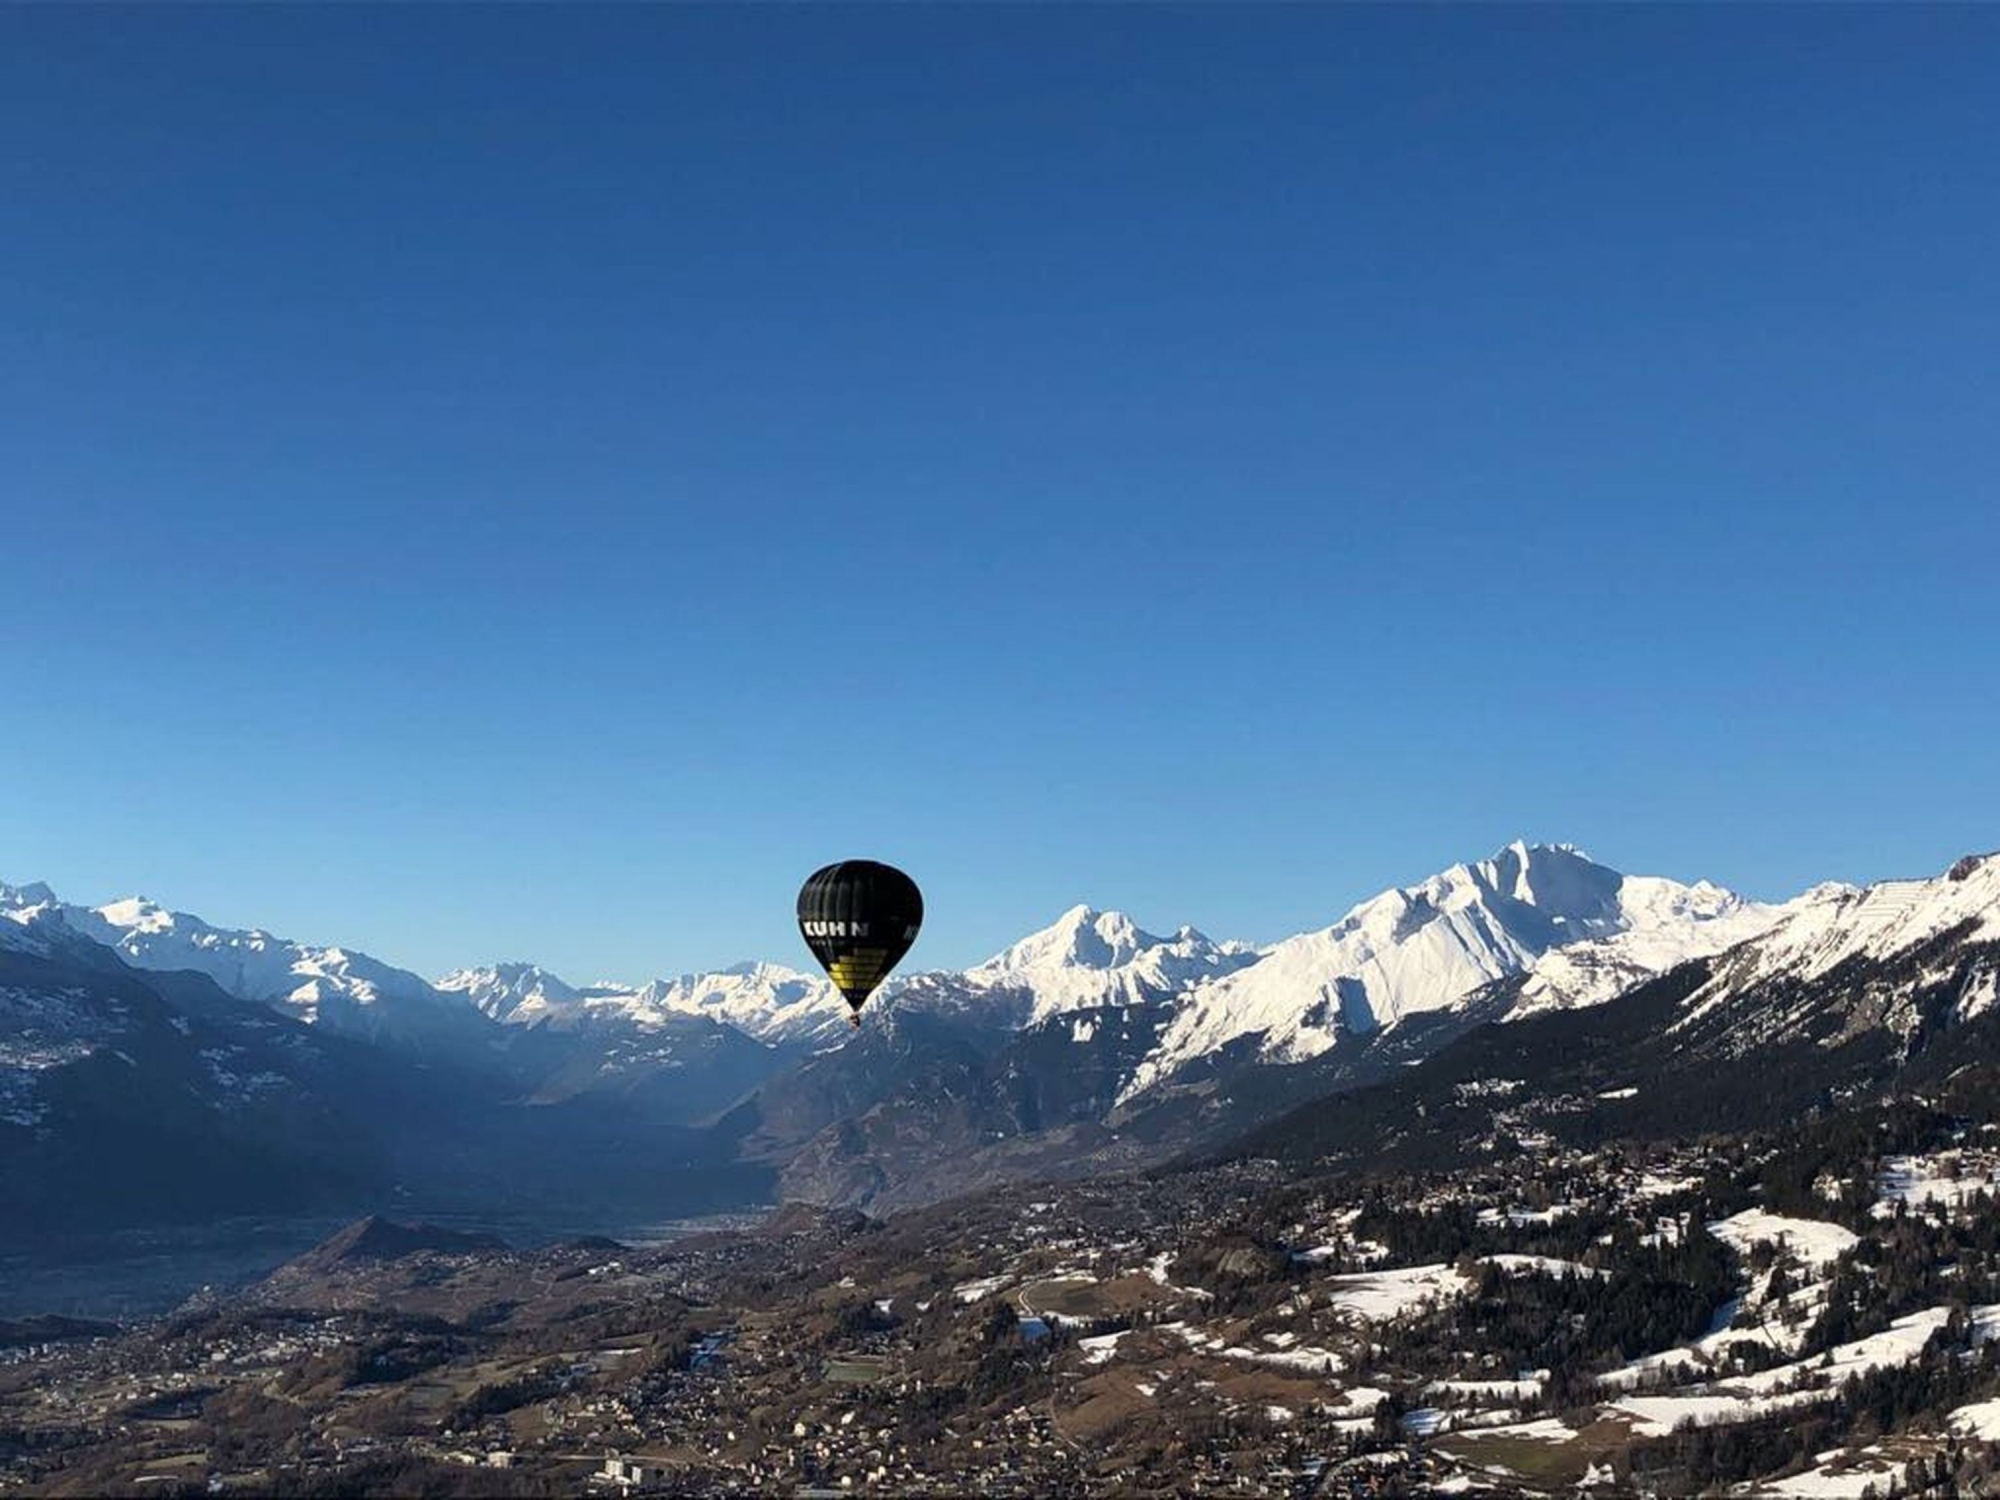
(30, 920)
(516, 994)
(358, 993)
(1088, 958)
(765, 1001)
(768, 1001)
(1427, 947)
(350, 990)
(1578, 931)
(1833, 925)
(1670, 923)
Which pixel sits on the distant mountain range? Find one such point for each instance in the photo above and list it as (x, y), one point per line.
(1089, 1044)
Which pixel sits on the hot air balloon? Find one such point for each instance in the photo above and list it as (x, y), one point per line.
(859, 918)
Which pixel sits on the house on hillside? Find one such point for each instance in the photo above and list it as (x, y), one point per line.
(630, 1473)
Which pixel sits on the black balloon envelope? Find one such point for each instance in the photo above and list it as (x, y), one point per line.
(859, 918)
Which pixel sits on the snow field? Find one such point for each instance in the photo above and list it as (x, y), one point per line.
(1378, 1296)
(1943, 1180)
(974, 1291)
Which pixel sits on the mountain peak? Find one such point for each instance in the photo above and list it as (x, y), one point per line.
(1428, 947)
(33, 894)
(1556, 879)
(509, 991)
(138, 914)
(1081, 938)
(1085, 959)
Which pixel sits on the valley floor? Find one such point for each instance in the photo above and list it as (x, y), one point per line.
(1815, 1313)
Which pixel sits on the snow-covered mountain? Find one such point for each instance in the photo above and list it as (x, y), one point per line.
(353, 992)
(1427, 947)
(1581, 931)
(1850, 996)
(1899, 937)
(337, 987)
(31, 922)
(1670, 923)
(1095, 1041)
(1083, 960)
(767, 1002)
(513, 994)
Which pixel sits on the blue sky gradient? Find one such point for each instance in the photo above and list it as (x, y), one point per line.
(535, 482)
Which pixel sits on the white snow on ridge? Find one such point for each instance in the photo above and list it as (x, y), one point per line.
(518, 994)
(1578, 932)
(1833, 923)
(1670, 924)
(30, 918)
(251, 965)
(1428, 947)
(766, 1001)
(1089, 958)
(313, 983)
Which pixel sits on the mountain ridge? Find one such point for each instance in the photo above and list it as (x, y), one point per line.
(1064, 1054)
(1406, 951)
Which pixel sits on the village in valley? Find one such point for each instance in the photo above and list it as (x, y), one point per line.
(1806, 1313)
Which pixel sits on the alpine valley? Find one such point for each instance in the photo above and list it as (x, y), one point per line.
(1527, 1178)
(155, 1067)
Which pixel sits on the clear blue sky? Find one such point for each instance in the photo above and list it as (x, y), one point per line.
(483, 482)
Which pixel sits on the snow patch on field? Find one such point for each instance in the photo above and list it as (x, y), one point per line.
(1306, 1361)
(1666, 1363)
(1980, 1420)
(1848, 1484)
(1744, 1398)
(1943, 1180)
(1156, 1271)
(1547, 1430)
(1426, 1421)
(984, 1287)
(1816, 1243)
(1656, 1416)
(1100, 1347)
(1378, 1296)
